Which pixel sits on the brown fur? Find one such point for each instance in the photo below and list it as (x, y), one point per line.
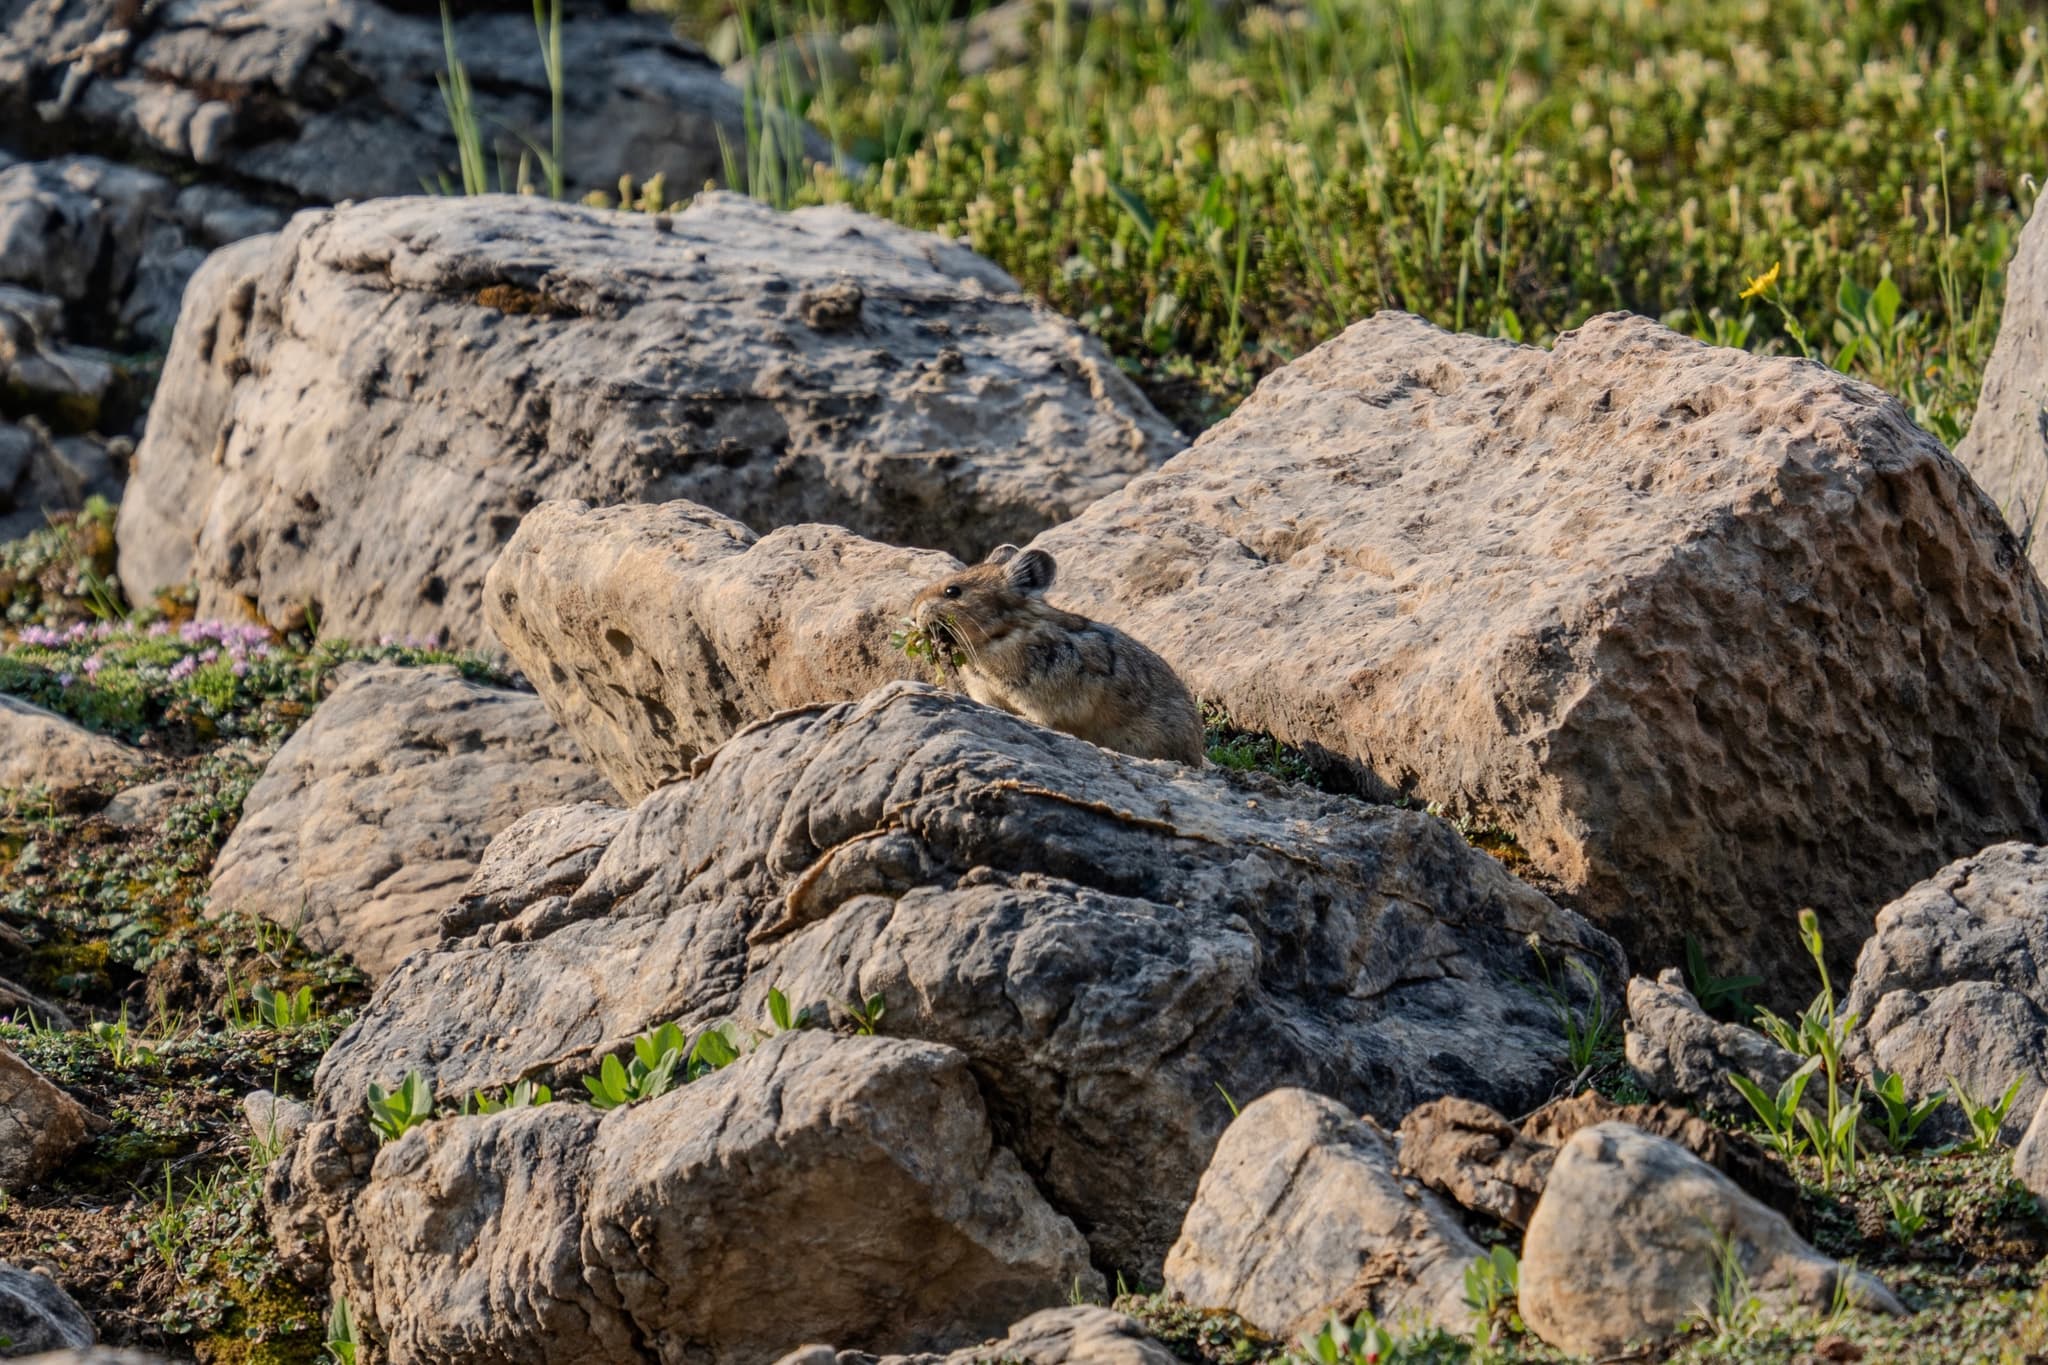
(1061, 670)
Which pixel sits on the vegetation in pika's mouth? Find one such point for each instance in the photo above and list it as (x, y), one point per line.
(914, 642)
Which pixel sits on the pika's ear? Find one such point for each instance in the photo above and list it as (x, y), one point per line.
(1002, 554)
(1032, 571)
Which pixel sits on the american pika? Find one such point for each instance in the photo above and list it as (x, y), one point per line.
(1065, 672)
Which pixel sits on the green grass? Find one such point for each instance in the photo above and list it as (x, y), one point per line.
(1215, 195)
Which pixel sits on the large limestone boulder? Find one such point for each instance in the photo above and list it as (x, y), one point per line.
(565, 1233)
(41, 751)
(1627, 1243)
(1953, 986)
(1715, 636)
(656, 631)
(1303, 1214)
(371, 818)
(1108, 940)
(405, 379)
(315, 101)
(2006, 449)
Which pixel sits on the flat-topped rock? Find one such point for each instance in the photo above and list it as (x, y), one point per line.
(355, 418)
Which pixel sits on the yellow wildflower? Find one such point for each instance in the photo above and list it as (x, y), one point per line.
(1763, 282)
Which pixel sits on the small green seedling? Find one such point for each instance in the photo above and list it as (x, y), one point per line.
(123, 1050)
(656, 1056)
(525, 1095)
(1902, 1117)
(1986, 1117)
(1909, 1215)
(1779, 1113)
(714, 1050)
(1716, 992)
(867, 1018)
(341, 1333)
(780, 1015)
(394, 1112)
(1364, 1340)
(1491, 1282)
(284, 1011)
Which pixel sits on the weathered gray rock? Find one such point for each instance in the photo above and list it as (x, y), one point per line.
(37, 1315)
(1685, 1055)
(1081, 1335)
(41, 751)
(321, 100)
(40, 1125)
(655, 632)
(566, 1233)
(274, 1120)
(142, 807)
(1953, 986)
(1302, 1214)
(25, 1006)
(535, 861)
(372, 817)
(1714, 635)
(1474, 1156)
(42, 474)
(2030, 1157)
(409, 377)
(93, 255)
(1107, 939)
(2006, 449)
(113, 244)
(1626, 1242)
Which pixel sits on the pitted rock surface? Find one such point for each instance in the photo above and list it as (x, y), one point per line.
(2007, 445)
(1715, 636)
(365, 412)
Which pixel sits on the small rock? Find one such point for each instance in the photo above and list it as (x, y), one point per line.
(37, 1315)
(1302, 1214)
(40, 1125)
(24, 1005)
(607, 1226)
(143, 807)
(1468, 1151)
(1475, 1156)
(1626, 1245)
(41, 751)
(1685, 1055)
(275, 1120)
(2030, 1157)
(1953, 985)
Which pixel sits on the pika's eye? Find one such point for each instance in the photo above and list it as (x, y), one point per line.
(952, 590)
